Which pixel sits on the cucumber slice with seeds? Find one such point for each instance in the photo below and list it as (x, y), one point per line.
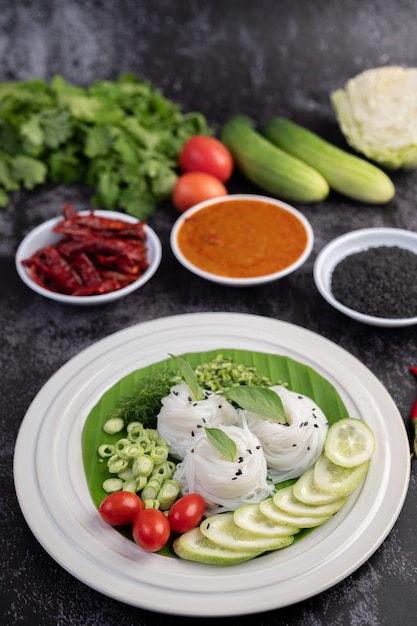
(194, 546)
(286, 501)
(222, 530)
(349, 442)
(306, 490)
(269, 509)
(336, 480)
(249, 518)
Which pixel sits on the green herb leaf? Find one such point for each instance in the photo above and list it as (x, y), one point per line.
(189, 377)
(222, 442)
(259, 400)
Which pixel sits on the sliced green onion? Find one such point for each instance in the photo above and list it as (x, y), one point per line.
(113, 426)
(117, 466)
(164, 470)
(121, 446)
(143, 464)
(169, 492)
(145, 443)
(135, 430)
(141, 482)
(129, 485)
(151, 504)
(159, 454)
(113, 484)
(152, 489)
(106, 450)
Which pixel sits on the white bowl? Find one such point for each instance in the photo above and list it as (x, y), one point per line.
(350, 243)
(233, 281)
(43, 235)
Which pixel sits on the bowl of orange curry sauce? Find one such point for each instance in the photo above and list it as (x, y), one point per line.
(242, 240)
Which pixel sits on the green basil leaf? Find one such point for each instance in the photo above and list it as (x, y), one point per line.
(222, 442)
(189, 377)
(259, 400)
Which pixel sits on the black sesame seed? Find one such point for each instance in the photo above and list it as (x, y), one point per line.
(190, 399)
(192, 433)
(294, 445)
(240, 459)
(199, 426)
(379, 281)
(239, 472)
(316, 425)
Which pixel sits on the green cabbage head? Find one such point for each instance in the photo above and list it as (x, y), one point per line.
(377, 114)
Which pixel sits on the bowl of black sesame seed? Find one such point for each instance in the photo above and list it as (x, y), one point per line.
(370, 275)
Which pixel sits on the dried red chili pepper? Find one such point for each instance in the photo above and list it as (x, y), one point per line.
(95, 255)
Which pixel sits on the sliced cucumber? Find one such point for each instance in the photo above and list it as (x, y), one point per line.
(194, 546)
(306, 490)
(336, 480)
(222, 530)
(269, 509)
(349, 442)
(249, 518)
(286, 501)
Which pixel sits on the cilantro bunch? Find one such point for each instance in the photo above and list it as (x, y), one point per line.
(120, 137)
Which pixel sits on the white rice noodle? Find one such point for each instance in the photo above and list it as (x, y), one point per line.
(224, 484)
(290, 448)
(181, 418)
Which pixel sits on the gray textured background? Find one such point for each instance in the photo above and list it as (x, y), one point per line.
(260, 58)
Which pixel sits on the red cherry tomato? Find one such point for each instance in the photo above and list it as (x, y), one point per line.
(186, 513)
(120, 508)
(206, 154)
(194, 187)
(151, 529)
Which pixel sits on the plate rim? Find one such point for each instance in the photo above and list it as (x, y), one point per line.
(203, 602)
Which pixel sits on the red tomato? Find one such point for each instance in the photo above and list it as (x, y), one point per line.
(186, 513)
(206, 154)
(151, 529)
(194, 187)
(120, 508)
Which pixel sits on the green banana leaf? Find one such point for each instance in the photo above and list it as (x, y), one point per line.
(283, 369)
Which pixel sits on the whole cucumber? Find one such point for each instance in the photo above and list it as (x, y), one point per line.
(269, 167)
(346, 173)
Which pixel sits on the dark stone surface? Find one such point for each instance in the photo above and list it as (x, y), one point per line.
(260, 58)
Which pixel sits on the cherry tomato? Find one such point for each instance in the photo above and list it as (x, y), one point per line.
(206, 154)
(194, 187)
(186, 513)
(120, 508)
(151, 529)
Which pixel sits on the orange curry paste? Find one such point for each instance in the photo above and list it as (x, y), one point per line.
(242, 238)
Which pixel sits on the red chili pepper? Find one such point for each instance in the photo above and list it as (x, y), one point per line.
(413, 415)
(90, 246)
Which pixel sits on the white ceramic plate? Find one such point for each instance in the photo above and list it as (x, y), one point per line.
(350, 243)
(54, 497)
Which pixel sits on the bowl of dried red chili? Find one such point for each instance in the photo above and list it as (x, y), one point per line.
(370, 275)
(242, 240)
(88, 257)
